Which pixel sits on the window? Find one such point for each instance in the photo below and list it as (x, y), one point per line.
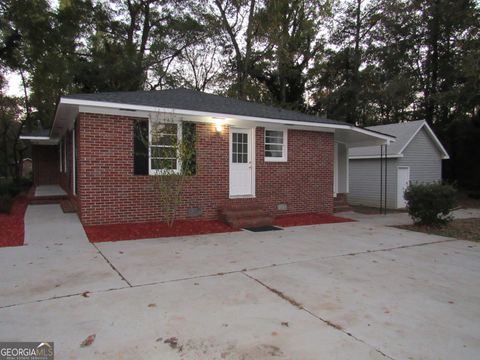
(164, 139)
(239, 148)
(276, 145)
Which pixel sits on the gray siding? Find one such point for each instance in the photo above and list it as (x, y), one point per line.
(365, 182)
(423, 158)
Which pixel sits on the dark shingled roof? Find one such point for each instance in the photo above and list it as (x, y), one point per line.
(198, 101)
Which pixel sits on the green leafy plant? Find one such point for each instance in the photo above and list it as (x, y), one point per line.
(6, 202)
(430, 204)
(9, 189)
(172, 161)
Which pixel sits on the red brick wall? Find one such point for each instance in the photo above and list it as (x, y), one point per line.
(110, 193)
(45, 160)
(305, 181)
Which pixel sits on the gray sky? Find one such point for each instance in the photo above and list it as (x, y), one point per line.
(14, 87)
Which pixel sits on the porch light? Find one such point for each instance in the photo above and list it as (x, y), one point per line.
(219, 125)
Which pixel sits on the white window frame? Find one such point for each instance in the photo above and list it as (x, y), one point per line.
(179, 138)
(284, 157)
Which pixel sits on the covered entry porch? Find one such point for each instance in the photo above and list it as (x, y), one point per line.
(54, 169)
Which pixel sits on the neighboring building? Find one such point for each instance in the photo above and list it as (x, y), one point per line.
(247, 155)
(415, 156)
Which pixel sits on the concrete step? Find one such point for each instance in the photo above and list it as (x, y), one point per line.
(40, 200)
(251, 222)
(243, 213)
(67, 206)
(242, 216)
(342, 208)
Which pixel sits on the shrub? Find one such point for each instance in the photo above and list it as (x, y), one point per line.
(9, 189)
(6, 202)
(25, 182)
(5, 186)
(430, 204)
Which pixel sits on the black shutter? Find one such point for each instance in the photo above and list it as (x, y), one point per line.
(189, 165)
(140, 147)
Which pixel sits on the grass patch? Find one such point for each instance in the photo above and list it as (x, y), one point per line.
(464, 229)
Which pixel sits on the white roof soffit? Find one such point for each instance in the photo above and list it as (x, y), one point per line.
(40, 140)
(68, 109)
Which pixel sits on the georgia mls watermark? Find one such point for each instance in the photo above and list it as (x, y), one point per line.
(26, 350)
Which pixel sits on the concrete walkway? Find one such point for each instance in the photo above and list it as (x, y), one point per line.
(341, 291)
(402, 218)
(57, 260)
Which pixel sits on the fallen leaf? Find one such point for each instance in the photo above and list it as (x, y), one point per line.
(152, 305)
(88, 341)
(172, 341)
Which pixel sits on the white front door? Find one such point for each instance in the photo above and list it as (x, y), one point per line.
(242, 182)
(403, 180)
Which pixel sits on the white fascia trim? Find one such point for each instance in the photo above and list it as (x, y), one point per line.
(437, 142)
(26, 137)
(121, 106)
(393, 156)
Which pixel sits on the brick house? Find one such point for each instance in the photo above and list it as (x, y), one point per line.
(247, 156)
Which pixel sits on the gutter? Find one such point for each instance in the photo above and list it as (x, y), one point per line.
(130, 107)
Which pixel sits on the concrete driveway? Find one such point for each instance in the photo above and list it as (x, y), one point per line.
(343, 291)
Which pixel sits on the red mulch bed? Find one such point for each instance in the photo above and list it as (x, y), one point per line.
(308, 219)
(117, 232)
(12, 230)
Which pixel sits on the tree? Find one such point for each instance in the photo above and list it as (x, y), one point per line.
(198, 67)
(289, 31)
(236, 19)
(133, 45)
(342, 68)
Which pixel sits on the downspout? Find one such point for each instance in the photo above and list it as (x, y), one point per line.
(386, 165)
(381, 178)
